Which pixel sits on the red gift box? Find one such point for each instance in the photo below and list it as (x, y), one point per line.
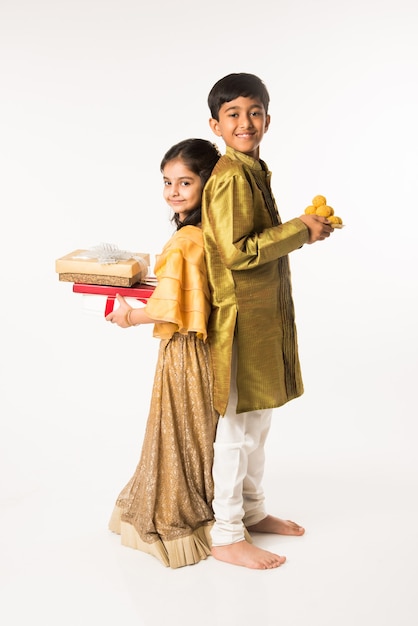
(139, 291)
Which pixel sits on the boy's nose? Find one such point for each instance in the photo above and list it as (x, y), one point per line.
(246, 122)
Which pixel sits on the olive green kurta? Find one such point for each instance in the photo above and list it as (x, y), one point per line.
(246, 248)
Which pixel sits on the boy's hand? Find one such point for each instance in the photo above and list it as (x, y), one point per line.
(319, 227)
(118, 316)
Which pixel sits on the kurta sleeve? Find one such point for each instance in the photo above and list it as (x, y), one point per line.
(181, 299)
(242, 243)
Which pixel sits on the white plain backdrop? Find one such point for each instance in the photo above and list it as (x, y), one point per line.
(92, 94)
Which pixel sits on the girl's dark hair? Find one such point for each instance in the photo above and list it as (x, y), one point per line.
(200, 157)
(236, 86)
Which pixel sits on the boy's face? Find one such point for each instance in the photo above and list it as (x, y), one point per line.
(242, 124)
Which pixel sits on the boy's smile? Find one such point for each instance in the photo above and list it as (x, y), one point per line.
(242, 124)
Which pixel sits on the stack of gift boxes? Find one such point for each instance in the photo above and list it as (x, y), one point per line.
(101, 272)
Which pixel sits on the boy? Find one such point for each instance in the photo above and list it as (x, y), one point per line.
(251, 329)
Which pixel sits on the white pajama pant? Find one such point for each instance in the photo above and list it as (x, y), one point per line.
(238, 469)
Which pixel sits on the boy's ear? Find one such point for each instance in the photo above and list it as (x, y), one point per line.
(214, 124)
(266, 127)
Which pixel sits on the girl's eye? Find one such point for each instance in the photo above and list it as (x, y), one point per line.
(167, 183)
(185, 183)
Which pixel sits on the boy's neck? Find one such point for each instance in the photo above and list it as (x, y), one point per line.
(249, 156)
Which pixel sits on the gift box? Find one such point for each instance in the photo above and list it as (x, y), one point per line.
(101, 298)
(103, 265)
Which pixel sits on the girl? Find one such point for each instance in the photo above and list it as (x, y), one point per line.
(165, 509)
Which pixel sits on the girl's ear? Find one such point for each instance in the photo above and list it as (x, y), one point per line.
(214, 124)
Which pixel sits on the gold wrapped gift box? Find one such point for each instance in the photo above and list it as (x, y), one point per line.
(76, 267)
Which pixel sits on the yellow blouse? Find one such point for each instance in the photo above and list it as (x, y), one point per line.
(181, 299)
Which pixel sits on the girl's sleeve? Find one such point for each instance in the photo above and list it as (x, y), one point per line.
(181, 298)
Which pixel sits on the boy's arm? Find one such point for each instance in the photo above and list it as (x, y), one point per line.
(318, 226)
(232, 217)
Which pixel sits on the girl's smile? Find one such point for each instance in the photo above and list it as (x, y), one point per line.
(182, 188)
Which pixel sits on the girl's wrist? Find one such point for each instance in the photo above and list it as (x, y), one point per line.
(128, 318)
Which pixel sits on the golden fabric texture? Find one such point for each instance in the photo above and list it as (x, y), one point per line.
(247, 248)
(168, 499)
(181, 297)
(166, 507)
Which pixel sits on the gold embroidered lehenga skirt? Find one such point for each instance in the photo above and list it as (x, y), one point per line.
(165, 509)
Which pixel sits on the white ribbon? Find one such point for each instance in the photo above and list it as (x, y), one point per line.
(107, 253)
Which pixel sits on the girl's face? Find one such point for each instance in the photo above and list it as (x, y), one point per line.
(182, 188)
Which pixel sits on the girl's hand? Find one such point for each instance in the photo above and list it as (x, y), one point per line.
(119, 315)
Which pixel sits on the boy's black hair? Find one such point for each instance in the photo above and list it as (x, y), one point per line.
(236, 86)
(200, 156)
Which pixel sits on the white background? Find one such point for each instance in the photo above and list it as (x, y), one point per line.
(92, 94)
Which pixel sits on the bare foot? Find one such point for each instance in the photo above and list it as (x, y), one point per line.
(247, 555)
(276, 526)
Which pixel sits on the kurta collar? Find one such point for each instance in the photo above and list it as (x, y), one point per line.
(254, 164)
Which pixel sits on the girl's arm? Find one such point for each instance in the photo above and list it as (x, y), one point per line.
(125, 316)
